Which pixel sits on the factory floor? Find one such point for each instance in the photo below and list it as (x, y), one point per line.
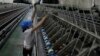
(14, 45)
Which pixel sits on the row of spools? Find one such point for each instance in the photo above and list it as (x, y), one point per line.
(48, 45)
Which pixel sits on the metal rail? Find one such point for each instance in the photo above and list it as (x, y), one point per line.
(10, 7)
(8, 19)
(5, 33)
(72, 33)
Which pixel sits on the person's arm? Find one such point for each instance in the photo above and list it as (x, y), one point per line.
(40, 23)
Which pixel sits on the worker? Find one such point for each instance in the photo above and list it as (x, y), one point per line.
(28, 38)
(28, 34)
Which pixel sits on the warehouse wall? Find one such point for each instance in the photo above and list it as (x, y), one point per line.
(23, 1)
(26, 1)
(97, 4)
(18, 1)
(7, 1)
(46, 1)
(82, 4)
(51, 1)
(34, 1)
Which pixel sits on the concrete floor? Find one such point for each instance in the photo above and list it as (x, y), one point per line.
(13, 46)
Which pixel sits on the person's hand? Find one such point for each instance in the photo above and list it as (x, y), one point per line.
(40, 22)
